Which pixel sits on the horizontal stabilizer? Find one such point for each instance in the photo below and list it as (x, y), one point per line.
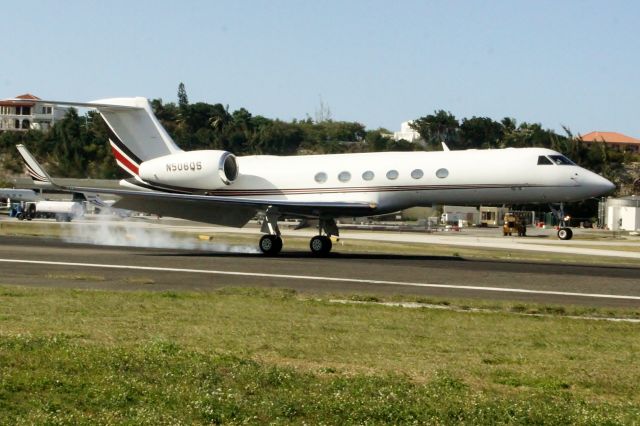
(37, 173)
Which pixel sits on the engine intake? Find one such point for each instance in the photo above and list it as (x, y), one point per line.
(228, 168)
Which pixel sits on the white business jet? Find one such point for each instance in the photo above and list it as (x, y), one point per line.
(217, 187)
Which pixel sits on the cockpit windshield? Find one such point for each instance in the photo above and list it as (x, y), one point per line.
(561, 160)
(544, 161)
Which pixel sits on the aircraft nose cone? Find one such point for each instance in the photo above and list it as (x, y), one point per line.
(601, 186)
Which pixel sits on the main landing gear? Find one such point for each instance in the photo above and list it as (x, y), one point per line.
(320, 245)
(270, 245)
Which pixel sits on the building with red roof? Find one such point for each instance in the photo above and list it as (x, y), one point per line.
(27, 112)
(614, 139)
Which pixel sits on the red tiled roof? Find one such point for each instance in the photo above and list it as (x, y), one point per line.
(25, 100)
(609, 137)
(28, 96)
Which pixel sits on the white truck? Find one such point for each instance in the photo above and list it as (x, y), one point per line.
(61, 211)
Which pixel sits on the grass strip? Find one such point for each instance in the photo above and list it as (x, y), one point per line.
(269, 356)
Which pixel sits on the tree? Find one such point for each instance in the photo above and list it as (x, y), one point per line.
(278, 138)
(376, 141)
(219, 118)
(479, 132)
(441, 126)
(183, 100)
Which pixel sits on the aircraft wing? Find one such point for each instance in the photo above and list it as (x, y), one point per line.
(219, 210)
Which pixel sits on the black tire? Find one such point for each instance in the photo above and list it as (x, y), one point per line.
(20, 216)
(270, 245)
(565, 233)
(320, 245)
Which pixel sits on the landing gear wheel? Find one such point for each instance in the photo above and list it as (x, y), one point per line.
(320, 245)
(565, 233)
(270, 245)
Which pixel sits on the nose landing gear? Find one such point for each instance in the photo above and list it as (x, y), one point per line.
(564, 232)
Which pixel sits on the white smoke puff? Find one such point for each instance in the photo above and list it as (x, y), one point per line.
(107, 231)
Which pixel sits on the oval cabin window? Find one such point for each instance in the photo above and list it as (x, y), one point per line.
(368, 175)
(392, 174)
(344, 176)
(321, 177)
(442, 173)
(417, 174)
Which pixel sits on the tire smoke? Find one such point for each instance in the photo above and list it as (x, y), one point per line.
(108, 231)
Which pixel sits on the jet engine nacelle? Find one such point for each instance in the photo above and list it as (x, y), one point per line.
(193, 169)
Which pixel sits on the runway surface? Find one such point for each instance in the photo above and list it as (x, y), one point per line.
(49, 262)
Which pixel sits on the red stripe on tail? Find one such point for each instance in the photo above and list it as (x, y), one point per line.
(132, 167)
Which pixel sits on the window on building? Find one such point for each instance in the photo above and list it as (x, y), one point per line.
(25, 124)
(488, 216)
(392, 174)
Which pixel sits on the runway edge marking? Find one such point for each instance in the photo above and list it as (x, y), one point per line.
(317, 278)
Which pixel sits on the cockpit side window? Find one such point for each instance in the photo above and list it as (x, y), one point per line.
(561, 160)
(543, 161)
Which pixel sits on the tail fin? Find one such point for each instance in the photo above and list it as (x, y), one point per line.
(135, 134)
(37, 173)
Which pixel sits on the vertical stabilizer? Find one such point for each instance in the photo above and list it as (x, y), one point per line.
(135, 134)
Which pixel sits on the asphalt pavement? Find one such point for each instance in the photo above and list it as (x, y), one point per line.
(48, 262)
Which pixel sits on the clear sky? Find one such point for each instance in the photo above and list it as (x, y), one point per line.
(572, 63)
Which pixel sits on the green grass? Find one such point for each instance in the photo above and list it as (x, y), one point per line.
(270, 356)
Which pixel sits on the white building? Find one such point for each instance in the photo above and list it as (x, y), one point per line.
(28, 112)
(623, 214)
(407, 133)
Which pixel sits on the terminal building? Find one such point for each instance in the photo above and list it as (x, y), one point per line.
(28, 112)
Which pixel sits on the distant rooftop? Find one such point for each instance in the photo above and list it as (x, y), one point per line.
(22, 100)
(28, 96)
(611, 137)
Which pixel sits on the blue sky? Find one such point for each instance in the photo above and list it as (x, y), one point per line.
(572, 63)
